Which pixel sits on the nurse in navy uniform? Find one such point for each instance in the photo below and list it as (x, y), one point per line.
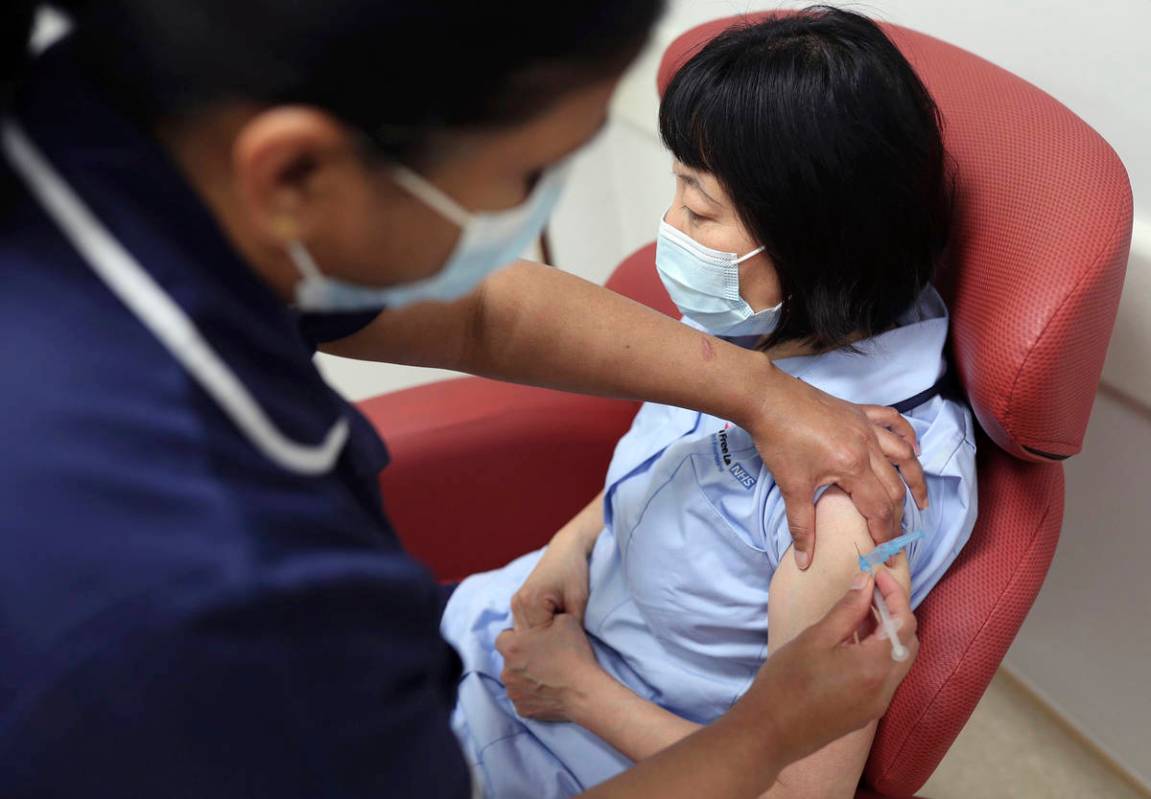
(200, 593)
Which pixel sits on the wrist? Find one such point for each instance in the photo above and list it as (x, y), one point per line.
(757, 727)
(756, 392)
(589, 534)
(577, 537)
(570, 539)
(587, 694)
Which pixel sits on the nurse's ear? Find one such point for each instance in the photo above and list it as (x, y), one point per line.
(294, 165)
(299, 174)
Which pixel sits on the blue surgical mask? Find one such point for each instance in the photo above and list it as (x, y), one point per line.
(488, 240)
(704, 285)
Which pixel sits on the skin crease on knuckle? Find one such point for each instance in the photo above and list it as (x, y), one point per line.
(903, 454)
(904, 451)
(891, 417)
(902, 429)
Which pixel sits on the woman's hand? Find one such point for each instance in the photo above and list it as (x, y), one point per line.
(810, 439)
(559, 582)
(549, 669)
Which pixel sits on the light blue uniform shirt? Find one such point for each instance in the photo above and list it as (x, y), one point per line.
(694, 528)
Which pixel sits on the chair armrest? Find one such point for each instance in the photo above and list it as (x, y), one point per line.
(484, 471)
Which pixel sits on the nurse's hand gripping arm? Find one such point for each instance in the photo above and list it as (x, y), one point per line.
(536, 325)
(814, 690)
(559, 581)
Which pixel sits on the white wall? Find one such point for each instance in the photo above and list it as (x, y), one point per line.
(1087, 645)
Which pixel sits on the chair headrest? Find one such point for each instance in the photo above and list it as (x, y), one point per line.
(1039, 243)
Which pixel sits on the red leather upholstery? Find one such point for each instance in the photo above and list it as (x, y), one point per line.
(483, 472)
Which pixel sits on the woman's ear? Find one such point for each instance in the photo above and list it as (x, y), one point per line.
(292, 167)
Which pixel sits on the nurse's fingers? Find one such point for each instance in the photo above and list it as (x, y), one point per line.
(800, 521)
(888, 418)
(889, 476)
(873, 658)
(902, 456)
(899, 604)
(893, 484)
(847, 616)
(873, 499)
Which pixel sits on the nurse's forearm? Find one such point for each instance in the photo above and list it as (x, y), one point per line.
(546, 327)
(732, 757)
(533, 324)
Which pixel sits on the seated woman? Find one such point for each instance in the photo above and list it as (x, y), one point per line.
(810, 209)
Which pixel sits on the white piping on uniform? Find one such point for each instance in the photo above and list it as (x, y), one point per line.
(129, 281)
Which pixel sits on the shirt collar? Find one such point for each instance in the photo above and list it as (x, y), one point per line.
(887, 368)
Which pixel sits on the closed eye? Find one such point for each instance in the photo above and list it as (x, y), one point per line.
(692, 217)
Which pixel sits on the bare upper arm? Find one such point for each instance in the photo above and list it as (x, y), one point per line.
(797, 599)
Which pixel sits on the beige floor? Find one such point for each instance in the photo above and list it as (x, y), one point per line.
(1012, 747)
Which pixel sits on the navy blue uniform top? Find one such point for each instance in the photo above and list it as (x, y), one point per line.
(180, 613)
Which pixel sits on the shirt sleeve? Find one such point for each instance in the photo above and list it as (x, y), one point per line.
(333, 690)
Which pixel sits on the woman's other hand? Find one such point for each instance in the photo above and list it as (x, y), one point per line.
(549, 669)
(559, 582)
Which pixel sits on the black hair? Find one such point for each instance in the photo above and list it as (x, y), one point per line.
(15, 27)
(395, 70)
(830, 148)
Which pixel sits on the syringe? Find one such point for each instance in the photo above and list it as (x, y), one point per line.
(898, 650)
(868, 563)
(887, 550)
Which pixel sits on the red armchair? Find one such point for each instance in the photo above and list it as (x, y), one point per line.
(484, 471)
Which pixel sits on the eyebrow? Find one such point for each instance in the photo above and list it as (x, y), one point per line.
(693, 181)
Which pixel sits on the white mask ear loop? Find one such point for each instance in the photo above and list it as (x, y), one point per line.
(756, 251)
(432, 195)
(302, 259)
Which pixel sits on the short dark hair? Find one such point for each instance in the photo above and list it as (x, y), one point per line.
(830, 148)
